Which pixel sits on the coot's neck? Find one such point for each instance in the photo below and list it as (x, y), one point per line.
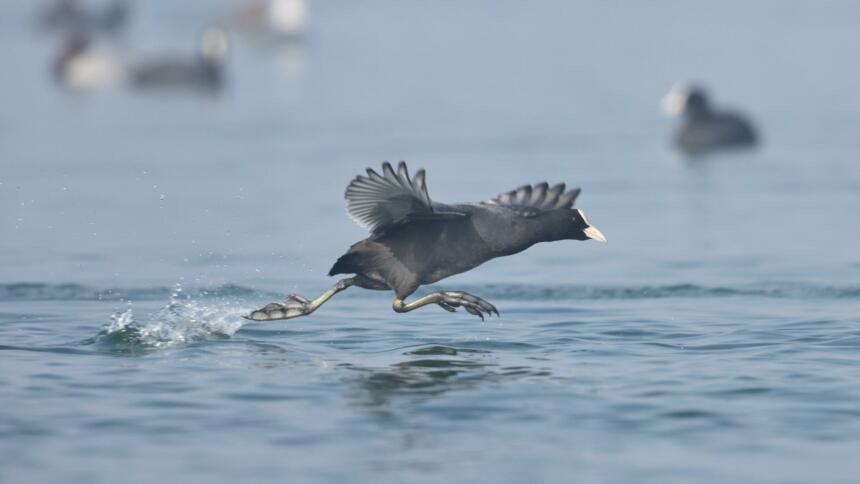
(554, 225)
(698, 115)
(515, 234)
(698, 108)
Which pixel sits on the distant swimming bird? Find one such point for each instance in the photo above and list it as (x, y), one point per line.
(72, 17)
(705, 129)
(277, 20)
(203, 71)
(415, 241)
(80, 66)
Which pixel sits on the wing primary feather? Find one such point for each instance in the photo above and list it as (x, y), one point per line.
(531, 200)
(568, 198)
(421, 185)
(552, 196)
(523, 194)
(403, 175)
(388, 171)
(538, 194)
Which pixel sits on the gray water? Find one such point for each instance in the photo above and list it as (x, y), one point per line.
(716, 338)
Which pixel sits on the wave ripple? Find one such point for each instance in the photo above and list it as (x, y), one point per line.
(38, 291)
(780, 290)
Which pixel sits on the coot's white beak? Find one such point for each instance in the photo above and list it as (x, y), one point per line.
(593, 233)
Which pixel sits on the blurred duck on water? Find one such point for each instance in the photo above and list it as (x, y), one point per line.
(80, 66)
(202, 71)
(73, 17)
(269, 21)
(705, 129)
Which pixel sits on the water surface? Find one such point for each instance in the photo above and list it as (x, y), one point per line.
(715, 338)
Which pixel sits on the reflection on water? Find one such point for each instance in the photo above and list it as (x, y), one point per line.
(430, 371)
(416, 380)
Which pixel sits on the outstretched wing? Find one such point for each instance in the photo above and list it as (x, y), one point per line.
(531, 200)
(378, 201)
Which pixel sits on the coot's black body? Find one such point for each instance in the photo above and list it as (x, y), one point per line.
(410, 255)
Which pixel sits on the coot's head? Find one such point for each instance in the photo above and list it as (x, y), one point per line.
(690, 101)
(579, 228)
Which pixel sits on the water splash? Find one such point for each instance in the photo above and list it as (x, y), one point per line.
(183, 320)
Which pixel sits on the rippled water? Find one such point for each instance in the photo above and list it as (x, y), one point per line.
(716, 338)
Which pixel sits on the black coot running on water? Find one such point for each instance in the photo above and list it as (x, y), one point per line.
(705, 129)
(415, 241)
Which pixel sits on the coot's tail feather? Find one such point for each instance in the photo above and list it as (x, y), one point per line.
(345, 264)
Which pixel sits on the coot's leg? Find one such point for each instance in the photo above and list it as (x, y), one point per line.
(449, 301)
(296, 305)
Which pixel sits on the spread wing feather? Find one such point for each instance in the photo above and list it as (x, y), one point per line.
(531, 200)
(378, 201)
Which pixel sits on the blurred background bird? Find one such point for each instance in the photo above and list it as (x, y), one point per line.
(81, 66)
(269, 21)
(73, 16)
(203, 70)
(705, 129)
